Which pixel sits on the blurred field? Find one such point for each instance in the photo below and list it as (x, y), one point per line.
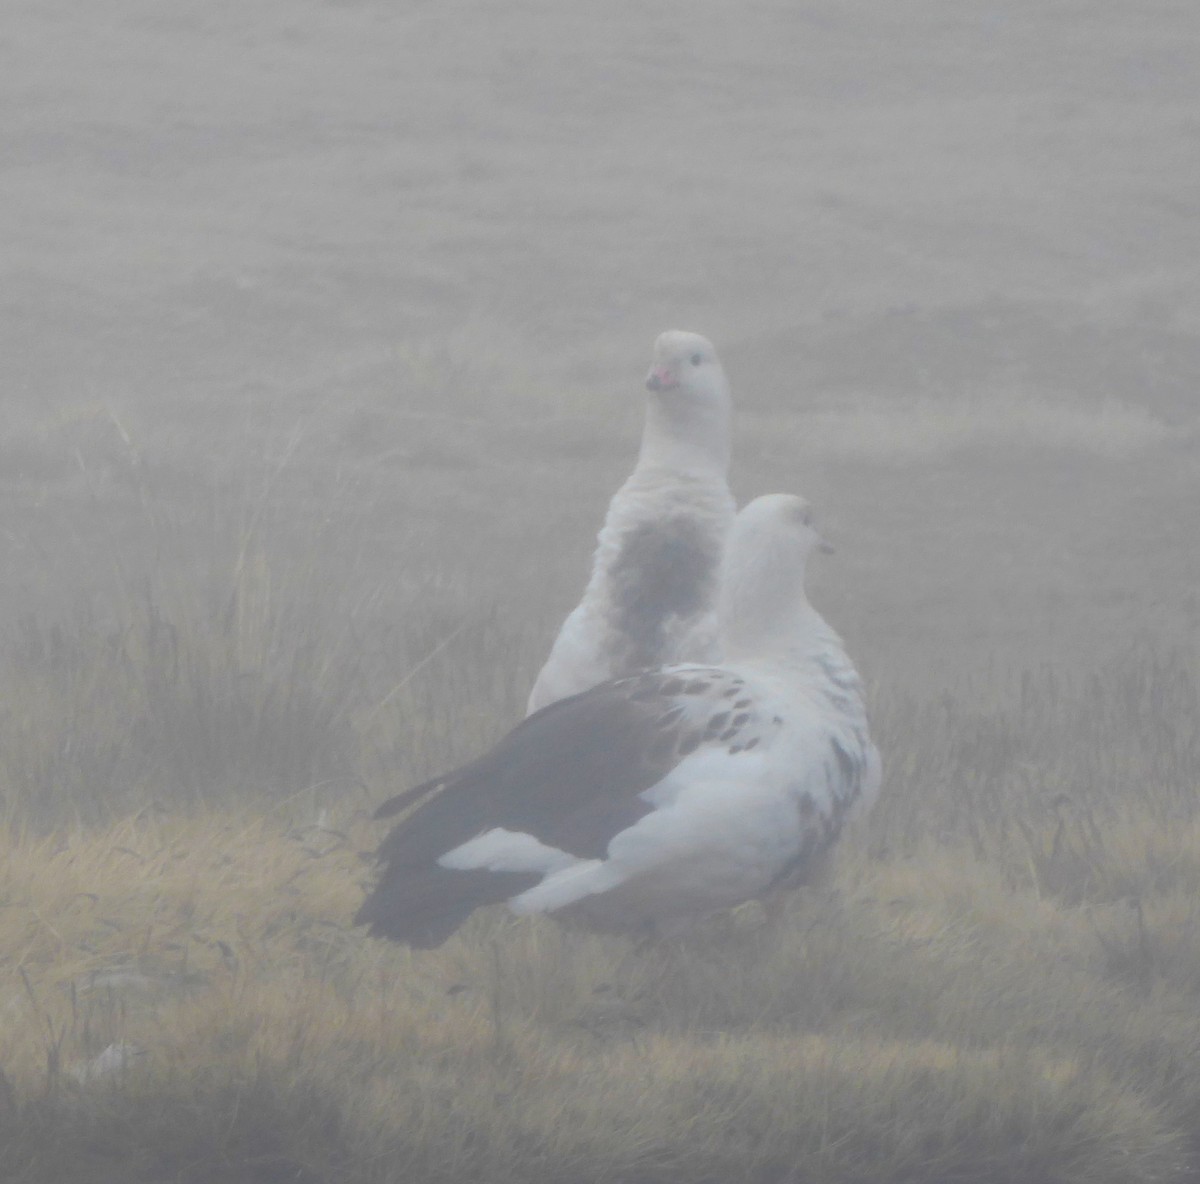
(324, 328)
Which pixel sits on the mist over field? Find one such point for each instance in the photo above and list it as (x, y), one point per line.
(323, 342)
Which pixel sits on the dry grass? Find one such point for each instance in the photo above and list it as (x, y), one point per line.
(920, 1024)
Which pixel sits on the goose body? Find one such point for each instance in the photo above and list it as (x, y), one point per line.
(651, 596)
(651, 800)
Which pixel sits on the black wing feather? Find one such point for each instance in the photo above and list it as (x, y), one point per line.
(569, 775)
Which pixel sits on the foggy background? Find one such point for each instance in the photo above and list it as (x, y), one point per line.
(946, 250)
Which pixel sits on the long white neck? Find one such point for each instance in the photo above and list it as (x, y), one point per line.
(763, 611)
(683, 435)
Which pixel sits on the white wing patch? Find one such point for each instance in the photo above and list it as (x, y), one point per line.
(587, 878)
(500, 850)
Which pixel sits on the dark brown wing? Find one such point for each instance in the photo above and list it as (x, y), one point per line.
(410, 797)
(570, 775)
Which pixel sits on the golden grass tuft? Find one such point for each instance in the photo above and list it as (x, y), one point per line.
(919, 1020)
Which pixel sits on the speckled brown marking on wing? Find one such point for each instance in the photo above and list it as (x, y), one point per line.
(821, 829)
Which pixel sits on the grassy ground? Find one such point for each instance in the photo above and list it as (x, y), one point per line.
(999, 983)
(323, 334)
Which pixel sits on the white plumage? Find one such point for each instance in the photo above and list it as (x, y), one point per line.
(648, 801)
(651, 595)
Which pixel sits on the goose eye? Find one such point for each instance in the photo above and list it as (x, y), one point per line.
(696, 359)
